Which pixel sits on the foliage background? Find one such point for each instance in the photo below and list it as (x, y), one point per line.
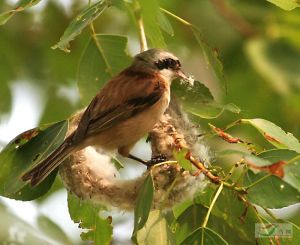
(257, 42)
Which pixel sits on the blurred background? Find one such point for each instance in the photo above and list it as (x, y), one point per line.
(257, 42)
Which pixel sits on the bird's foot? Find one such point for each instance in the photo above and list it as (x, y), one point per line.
(156, 159)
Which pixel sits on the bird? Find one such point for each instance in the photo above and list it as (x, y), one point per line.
(122, 112)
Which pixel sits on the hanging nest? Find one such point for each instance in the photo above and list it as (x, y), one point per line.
(91, 175)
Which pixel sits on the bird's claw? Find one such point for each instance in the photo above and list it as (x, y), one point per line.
(156, 159)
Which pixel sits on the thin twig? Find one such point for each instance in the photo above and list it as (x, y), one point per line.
(199, 165)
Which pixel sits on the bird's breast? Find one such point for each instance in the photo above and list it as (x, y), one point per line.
(134, 128)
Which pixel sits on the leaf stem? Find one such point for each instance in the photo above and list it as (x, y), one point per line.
(176, 17)
(241, 190)
(218, 192)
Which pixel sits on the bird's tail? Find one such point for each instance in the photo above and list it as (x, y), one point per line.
(44, 168)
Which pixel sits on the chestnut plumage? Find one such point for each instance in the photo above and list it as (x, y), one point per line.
(122, 112)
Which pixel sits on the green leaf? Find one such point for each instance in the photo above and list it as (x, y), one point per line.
(296, 235)
(251, 158)
(21, 5)
(229, 216)
(183, 162)
(204, 236)
(211, 56)
(181, 207)
(52, 230)
(104, 57)
(22, 154)
(143, 205)
(291, 170)
(150, 12)
(278, 192)
(274, 134)
(206, 196)
(199, 101)
(285, 4)
(155, 230)
(188, 221)
(231, 213)
(99, 230)
(164, 23)
(83, 19)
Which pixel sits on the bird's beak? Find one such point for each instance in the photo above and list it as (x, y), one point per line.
(180, 74)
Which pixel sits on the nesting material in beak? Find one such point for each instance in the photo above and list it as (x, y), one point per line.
(184, 78)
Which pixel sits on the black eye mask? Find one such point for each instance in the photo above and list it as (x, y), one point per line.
(168, 64)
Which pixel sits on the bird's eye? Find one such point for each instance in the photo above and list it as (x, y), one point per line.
(173, 63)
(167, 63)
(160, 64)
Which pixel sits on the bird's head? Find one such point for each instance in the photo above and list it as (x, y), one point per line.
(166, 63)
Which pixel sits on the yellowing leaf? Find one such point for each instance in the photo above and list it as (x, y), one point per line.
(274, 134)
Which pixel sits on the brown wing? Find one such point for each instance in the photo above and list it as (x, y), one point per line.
(119, 100)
